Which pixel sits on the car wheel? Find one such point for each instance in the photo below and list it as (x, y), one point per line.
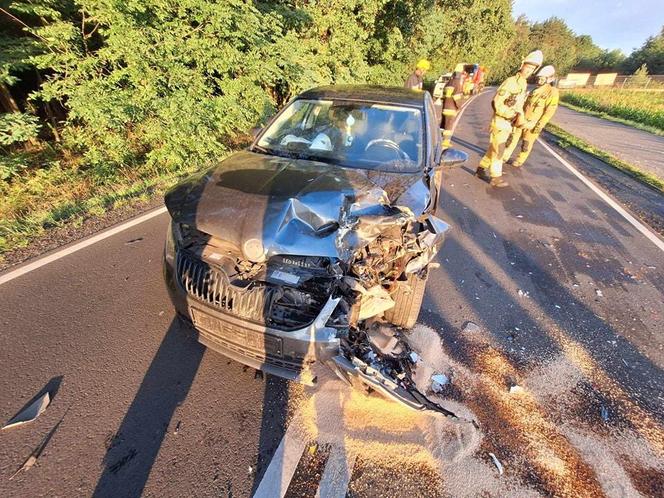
(408, 299)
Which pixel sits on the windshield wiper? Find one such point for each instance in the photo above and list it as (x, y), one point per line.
(260, 149)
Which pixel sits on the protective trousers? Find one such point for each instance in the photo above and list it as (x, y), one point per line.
(500, 131)
(527, 138)
(449, 117)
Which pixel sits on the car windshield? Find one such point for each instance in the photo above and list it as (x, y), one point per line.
(352, 134)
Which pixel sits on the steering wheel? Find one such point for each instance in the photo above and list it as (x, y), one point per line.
(387, 144)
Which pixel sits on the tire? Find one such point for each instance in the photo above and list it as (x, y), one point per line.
(407, 302)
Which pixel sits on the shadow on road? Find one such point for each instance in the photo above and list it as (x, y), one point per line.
(133, 449)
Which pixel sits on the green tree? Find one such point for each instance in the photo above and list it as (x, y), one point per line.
(651, 54)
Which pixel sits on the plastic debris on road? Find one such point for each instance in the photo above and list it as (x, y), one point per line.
(30, 413)
(497, 463)
(471, 327)
(516, 389)
(599, 293)
(438, 381)
(523, 293)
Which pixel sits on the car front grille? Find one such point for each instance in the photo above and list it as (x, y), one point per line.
(210, 285)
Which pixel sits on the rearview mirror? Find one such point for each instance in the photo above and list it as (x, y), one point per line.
(452, 158)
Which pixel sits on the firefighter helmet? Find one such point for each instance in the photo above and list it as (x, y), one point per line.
(546, 72)
(534, 58)
(423, 64)
(459, 68)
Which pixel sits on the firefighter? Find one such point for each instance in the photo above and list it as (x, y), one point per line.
(415, 80)
(452, 101)
(540, 106)
(507, 113)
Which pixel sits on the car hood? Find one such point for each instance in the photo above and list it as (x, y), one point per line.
(295, 206)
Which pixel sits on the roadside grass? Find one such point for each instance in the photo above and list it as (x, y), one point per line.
(53, 189)
(567, 140)
(643, 108)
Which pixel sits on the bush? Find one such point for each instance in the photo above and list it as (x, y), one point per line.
(16, 128)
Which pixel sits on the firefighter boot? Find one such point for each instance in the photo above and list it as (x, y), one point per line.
(498, 182)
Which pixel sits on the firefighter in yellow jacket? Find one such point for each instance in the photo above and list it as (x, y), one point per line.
(540, 106)
(508, 112)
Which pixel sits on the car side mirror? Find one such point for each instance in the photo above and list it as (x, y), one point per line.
(452, 158)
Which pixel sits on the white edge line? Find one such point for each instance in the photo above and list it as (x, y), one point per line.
(11, 275)
(285, 460)
(337, 474)
(633, 221)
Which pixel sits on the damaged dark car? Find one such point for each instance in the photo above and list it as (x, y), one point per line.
(282, 255)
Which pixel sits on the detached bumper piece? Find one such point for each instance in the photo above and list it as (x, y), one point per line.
(356, 370)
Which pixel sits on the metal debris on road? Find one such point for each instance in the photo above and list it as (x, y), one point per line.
(516, 389)
(30, 413)
(497, 463)
(438, 381)
(599, 293)
(523, 293)
(414, 357)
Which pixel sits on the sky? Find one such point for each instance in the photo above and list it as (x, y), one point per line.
(623, 24)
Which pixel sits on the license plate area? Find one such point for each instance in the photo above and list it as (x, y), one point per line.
(257, 342)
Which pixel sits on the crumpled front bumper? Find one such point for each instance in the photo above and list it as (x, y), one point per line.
(288, 354)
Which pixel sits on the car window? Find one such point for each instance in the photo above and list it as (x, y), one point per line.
(352, 134)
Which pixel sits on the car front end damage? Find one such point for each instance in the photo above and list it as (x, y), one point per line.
(299, 264)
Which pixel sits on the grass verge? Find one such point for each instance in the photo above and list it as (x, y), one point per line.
(60, 193)
(609, 117)
(566, 140)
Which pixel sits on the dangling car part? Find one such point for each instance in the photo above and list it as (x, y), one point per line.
(280, 255)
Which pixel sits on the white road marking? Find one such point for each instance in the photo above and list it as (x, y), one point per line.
(279, 473)
(336, 476)
(11, 275)
(633, 221)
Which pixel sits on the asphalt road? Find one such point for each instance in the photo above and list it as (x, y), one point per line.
(564, 375)
(640, 148)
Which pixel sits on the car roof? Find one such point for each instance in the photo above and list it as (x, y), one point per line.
(367, 93)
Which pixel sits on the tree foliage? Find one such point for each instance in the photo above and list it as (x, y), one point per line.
(651, 54)
(157, 83)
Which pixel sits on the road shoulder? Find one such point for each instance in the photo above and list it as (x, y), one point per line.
(643, 200)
